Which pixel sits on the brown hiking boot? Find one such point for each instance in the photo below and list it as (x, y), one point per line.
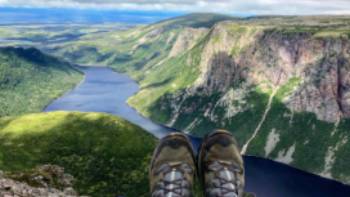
(173, 168)
(221, 166)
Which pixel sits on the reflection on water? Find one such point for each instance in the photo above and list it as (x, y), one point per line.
(106, 91)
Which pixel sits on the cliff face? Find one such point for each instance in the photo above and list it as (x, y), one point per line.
(280, 84)
(322, 65)
(283, 90)
(326, 88)
(272, 58)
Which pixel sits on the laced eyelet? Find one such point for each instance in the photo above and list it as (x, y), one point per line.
(173, 181)
(225, 181)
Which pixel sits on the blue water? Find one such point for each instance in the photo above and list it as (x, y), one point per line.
(106, 91)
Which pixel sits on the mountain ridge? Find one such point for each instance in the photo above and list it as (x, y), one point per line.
(227, 76)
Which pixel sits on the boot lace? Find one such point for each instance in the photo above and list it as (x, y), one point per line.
(173, 182)
(225, 182)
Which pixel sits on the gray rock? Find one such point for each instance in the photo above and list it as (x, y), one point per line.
(13, 188)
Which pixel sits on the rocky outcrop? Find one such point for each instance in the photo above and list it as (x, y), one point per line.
(323, 66)
(325, 91)
(220, 66)
(186, 40)
(44, 181)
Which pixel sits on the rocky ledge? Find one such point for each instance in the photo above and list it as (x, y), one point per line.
(43, 181)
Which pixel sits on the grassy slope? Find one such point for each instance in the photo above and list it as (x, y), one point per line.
(310, 137)
(29, 80)
(106, 154)
(174, 74)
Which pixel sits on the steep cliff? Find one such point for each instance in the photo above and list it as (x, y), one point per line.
(282, 89)
(280, 84)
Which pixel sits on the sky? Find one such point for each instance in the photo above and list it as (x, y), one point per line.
(234, 7)
(36, 15)
(149, 11)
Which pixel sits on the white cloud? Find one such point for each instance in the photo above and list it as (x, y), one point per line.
(266, 7)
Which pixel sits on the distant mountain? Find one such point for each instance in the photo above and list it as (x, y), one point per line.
(137, 47)
(280, 84)
(29, 80)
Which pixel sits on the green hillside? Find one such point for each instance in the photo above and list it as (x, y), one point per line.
(108, 156)
(279, 83)
(29, 80)
(134, 50)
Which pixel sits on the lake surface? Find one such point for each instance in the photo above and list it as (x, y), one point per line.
(10, 40)
(106, 91)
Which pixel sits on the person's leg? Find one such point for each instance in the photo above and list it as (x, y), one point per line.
(173, 167)
(220, 166)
